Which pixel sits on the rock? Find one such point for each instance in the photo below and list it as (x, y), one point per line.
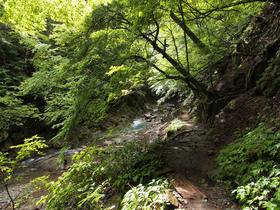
(171, 198)
(185, 140)
(114, 201)
(201, 132)
(5, 146)
(118, 141)
(51, 164)
(28, 207)
(148, 116)
(108, 143)
(211, 152)
(234, 207)
(187, 149)
(170, 133)
(162, 172)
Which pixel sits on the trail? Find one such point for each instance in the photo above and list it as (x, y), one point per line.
(190, 158)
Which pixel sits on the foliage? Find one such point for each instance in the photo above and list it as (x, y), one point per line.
(167, 89)
(14, 113)
(265, 192)
(12, 63)
(87, 52)
(95, 170)
(8, 165)
(252, 162)
(13, 70)
(270, 80)
(175, 125)
(33, 16)
(149, 196)
(31, 145)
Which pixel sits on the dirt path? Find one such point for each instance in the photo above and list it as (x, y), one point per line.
(190, 158)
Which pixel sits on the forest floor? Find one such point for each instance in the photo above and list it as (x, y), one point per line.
(188, 155)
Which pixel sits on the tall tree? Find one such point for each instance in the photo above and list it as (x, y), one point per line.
(148, 22)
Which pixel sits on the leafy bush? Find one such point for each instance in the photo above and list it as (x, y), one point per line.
(8, 165)
(95, 171)
(265, 192)
(14, 113)
(252, 162)
(150, 196)
(14, 67)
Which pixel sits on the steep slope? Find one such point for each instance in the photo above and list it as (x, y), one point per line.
(249, 78)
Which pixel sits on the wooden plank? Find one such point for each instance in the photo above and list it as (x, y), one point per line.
(185, 187)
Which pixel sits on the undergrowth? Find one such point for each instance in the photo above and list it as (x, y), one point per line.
(150, 196)
(97, 174)
(250, 166)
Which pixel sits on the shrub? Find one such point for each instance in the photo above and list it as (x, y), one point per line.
(252, 162)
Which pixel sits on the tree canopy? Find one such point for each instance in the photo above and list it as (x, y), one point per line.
(89, 54)
(81, 68)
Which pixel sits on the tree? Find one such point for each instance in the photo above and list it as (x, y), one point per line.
(85, 64)
(8, 165)
(148, 22)
(14, 68)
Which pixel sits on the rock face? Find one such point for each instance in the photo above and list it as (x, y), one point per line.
(5, 146)
(52, 164)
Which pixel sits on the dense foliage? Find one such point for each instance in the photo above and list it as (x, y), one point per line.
(97, 174)
(86, 59)
(252, 163)
(14, 68)
(121, 46)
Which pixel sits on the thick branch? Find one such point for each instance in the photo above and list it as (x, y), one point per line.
(136, 57)
(185, 37)
(190, 34)
(222, 8)
(174, 63)
(198, 88)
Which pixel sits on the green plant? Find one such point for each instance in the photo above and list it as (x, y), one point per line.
(149, 196)
(175, 125)
(252, 162)
(97, 171)
(8, 165)
(265, 192)
(142, 168)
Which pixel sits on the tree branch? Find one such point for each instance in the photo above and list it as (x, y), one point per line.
(190, 34)
(185, 37)
(207, 13)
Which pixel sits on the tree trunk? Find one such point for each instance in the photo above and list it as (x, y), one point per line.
(190, 34)
(12, 200)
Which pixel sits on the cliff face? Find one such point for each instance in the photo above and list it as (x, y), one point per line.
(250, 79)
